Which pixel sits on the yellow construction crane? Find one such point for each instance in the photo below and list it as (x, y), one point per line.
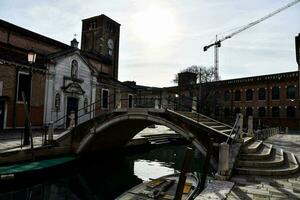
(217, 43)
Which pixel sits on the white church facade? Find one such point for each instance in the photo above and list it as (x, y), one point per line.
(70, 88)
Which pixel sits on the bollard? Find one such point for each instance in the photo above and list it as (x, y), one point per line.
(156, 105)
(286, 130)
(194, 104)
(240, 125)
(50, 132)
(118, 100)
(250, 126)
(223, 167)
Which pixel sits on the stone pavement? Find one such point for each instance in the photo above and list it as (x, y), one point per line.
(266, 187)
(11, 140)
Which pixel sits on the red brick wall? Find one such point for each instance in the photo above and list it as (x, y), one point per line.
(8, 76)
(18, 40)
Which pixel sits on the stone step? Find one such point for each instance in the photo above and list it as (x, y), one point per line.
(248, 140)
(253, 147)
(211, 123)
(276, 160)
(219, 127)
(226, 131)
(202, 120)
(263, 153)
(290, 166)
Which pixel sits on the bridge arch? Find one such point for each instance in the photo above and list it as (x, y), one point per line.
(115, 132)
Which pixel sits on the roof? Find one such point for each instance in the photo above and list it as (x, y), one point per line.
(13, 55)
(255, 79)
(103, 16)
(71, 51)
(106, 79)
(32, 34)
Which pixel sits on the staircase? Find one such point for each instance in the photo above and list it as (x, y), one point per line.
(213, 124)
(257, 158)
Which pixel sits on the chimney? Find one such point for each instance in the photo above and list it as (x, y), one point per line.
(74, 43)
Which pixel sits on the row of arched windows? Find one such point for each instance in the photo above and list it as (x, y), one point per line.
(262, 111)
(290, 94)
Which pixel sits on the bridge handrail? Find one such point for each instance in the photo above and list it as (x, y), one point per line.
(203, 116)
(232, 130)
(84, 107)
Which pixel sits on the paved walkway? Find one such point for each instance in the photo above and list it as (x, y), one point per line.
(266, 187)
(11, 140)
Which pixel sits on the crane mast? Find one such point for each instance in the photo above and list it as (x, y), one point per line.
(217, 43)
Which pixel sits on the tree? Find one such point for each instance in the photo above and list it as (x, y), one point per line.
(206, 98)
(204, 74)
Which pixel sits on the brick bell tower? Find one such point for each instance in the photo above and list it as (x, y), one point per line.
(101, 35)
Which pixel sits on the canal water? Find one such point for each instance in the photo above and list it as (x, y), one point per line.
(105, 176)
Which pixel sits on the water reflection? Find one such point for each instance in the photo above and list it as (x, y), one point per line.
(104, 177)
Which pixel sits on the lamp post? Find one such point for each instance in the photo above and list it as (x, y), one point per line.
(31, 56)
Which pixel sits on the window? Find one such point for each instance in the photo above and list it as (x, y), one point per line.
(262, 94)
(249, 95)
(291, 92)
(105, 98)
(130, 101)
(74, 69)
(226, 112)
(217, 113)
(237, 95)
(24, 85)
(226, 95)
(249, 112)
(57, 102)
(85, 105)
(275, 112)
(275, 93)
(290, 111)
(237, 110)
(261, 112)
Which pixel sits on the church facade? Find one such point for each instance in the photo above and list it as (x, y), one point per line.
(64, 78)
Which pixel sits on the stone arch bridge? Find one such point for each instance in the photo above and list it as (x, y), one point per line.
(115, 128)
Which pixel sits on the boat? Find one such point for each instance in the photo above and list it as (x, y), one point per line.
(34, 168)
(163, 188)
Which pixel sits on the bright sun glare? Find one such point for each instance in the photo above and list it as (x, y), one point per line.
(154, 26)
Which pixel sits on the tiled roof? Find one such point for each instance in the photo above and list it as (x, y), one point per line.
(32, 34)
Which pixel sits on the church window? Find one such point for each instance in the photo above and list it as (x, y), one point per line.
(74, 69)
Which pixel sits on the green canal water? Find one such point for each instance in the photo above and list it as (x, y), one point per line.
(104, 177)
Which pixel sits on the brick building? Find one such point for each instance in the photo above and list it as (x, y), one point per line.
(16, 76)
(49, 84)
(273, 99)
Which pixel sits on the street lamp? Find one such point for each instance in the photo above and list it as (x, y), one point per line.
(31, 56)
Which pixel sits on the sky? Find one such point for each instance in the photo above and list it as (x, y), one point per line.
(159, 38)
